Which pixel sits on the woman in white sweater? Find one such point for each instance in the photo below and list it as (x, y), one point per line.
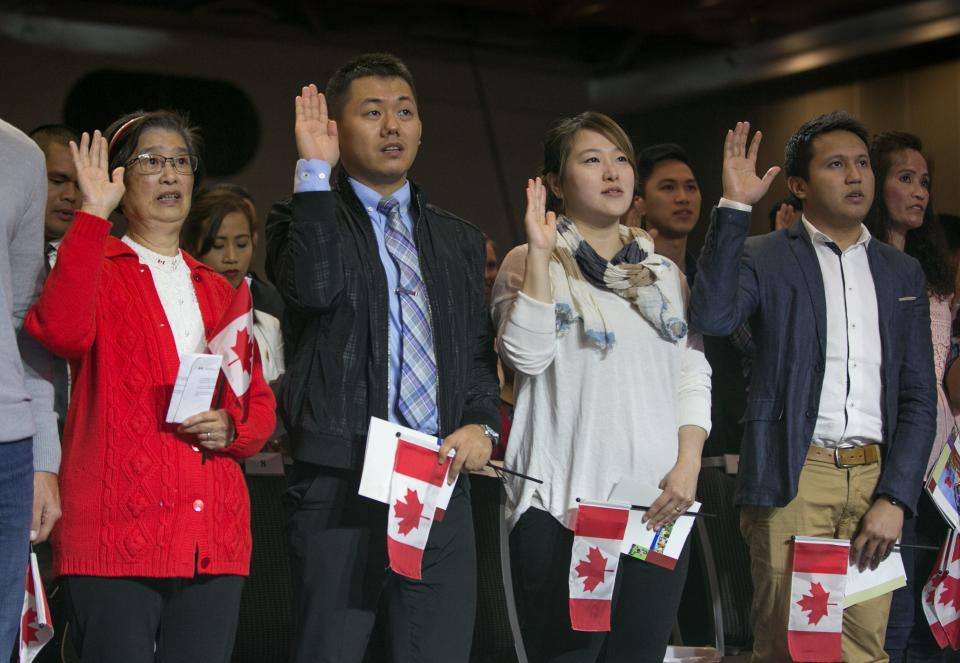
(611, 388)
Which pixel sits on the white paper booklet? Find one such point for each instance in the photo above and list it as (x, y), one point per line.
(865, 585)
(193, 390)
(380, 453)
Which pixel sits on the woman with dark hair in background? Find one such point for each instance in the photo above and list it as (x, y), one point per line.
(610, 389)
(902, 215)
(221, 232)
(155, 535)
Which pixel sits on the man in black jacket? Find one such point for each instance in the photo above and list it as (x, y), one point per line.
(385, 317)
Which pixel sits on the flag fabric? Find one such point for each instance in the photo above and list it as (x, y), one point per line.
(419, 493)
(594, 560)
(932, 588)
(818, 584)
(36, 626)
(233, 340)
(947, 596)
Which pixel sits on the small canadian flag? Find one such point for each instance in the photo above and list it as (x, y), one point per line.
(36, 627)
(932, 588)
(419, 493)
(816, 599)
(233, 340)
(946, 604)
(594, 560)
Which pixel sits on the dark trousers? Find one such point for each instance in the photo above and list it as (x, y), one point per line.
(645, 600)
(351, 607)
(909, 639)
(154, 620)
(16, 510)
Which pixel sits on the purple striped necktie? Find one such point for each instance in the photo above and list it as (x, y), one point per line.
(418, 366)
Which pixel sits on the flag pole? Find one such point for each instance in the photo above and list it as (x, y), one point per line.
(638, 507)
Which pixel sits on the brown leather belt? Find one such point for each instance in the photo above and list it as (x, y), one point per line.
(846, 456)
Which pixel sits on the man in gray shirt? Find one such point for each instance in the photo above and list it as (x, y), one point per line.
(29, 442)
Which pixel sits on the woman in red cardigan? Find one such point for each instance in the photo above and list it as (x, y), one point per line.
(155, 535)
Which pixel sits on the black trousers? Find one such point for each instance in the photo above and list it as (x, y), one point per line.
(351, 607)
(154, 620)
(645, 600)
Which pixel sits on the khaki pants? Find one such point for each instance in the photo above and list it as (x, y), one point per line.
(829, 503)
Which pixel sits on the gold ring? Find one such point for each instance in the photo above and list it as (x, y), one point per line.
(678, 509)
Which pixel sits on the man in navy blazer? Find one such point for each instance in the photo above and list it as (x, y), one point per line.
(842, 405)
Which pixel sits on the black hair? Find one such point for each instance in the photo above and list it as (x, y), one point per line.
(926, 243)
(950, 224)
(54, 134)
(559, 141)
(237, 189)
(799, 149)
(124, 134)
(386, 65)
(206, 215)
(649, 157)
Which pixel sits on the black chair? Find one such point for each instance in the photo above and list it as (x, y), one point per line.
(265, 628)
(493, 640)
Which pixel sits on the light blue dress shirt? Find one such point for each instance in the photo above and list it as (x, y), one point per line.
(314, 175)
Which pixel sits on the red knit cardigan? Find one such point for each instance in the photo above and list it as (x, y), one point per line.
(138, 498)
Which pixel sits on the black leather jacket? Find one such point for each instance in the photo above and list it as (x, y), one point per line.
(322, 255)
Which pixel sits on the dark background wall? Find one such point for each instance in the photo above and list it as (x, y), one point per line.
(484, 108)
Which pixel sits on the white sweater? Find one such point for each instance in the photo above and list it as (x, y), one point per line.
(586, 419)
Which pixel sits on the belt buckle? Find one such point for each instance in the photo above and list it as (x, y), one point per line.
(836, 457)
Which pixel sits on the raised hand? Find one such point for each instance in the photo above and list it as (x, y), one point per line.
(784, 217)
(541, 226)
(101, 191)
(740, 181)
(316, 133)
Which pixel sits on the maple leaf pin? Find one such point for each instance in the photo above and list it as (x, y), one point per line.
(409, 512)
(592, 569)
(815, 603)
(243, 348)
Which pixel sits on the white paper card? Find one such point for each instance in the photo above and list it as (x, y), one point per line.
(381, 452)
(865, 585)
(193, 390)
(637, 534)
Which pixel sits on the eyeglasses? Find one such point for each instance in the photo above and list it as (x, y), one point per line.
(151, 164)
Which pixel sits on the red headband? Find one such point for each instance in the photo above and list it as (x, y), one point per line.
(123, 127)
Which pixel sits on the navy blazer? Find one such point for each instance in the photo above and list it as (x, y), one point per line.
(774, 282)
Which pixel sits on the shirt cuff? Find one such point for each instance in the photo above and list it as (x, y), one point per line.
(733, 204)
(46, 446)
(533, 315)
(694, 410)
(311, 175)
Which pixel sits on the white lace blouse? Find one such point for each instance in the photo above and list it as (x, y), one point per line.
(171, 278)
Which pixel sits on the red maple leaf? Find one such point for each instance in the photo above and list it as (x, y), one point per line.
(815, 603)
(409, 513)
(27, 629)
(950, 594)
(592, 569)
(243, 348)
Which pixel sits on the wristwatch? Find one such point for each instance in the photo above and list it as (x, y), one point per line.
(491, 434)
(893, 500)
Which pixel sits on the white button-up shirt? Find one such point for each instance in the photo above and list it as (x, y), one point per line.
(851, 400)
